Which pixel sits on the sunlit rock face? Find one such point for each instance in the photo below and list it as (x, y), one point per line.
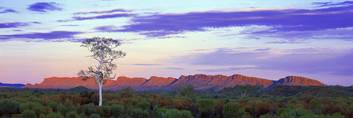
(201, 81)
(157, 83)
(126, 82)
(64, 83)
(298, 81)
(198, 81)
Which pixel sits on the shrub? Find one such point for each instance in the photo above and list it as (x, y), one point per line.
(35, 106)
(28, 114)
(89, 109)
(233, 110)
(8, 107)
(94, 116)
(117, 110)
(72, 114)
(137, 113)
(174, 113)
(105, 111)
(54, 115)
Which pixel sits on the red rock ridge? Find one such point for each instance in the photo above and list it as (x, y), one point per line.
(202, 81)
(198, 81)
(126, 82)
(298, 81)
(64, 83)
(158, 82)
(238, 79)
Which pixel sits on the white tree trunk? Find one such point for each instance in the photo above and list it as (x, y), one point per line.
(100, 85)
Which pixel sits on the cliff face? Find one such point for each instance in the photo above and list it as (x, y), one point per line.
(157, 82)
(198, 81)
(298, 81)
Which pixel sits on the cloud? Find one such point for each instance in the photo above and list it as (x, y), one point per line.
(305, 60)
(285, 20)
(106, 16)
(102, 12)
(7, 10)
(330, 4)
(174, 68)
(146, 64)
(44, 7)
(47, 36)
(13, 25)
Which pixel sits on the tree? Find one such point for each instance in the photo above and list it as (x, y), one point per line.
(104, 52)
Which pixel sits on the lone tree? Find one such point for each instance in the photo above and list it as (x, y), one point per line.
(104, 52)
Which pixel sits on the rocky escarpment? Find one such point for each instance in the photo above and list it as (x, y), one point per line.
(198, 81)
(298, 81)
(202, 81)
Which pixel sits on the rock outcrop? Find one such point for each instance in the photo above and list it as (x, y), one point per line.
(198, 81)
(298, 81)
(157, 82)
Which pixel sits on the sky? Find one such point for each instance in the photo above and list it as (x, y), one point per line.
(270, 39)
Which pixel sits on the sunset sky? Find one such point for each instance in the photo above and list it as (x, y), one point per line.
(262, 38)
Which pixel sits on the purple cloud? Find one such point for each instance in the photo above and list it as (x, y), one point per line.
(281, 20)
(48, 36)
(107, 16)
(13, 25)
(44, 7)
(300, 60)
(6, 10)
(102, 12)
(330, 4)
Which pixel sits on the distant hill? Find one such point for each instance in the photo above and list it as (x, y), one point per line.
(12, 85)
(198, 81)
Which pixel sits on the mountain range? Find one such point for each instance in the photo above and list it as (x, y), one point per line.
(11, 85)
(197, 81)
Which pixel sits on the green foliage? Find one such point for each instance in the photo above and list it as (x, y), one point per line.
(137, 113)
(54, 115)
(234, 110)
(8, 107)
(35, 106)
(28, 114)
(186, 91)
(89, 109)
(117, 110)
(174, 113)
(134, 104)
(72, 114)
(94, 116)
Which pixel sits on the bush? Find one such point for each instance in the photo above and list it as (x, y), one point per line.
(8, 107)
(174, 113)
(54, 115)
(89, 109)
(28, 114)
(72, 114)
(94, 116)
(117, 110)
(138, 113)
(105, 111)
(233, 110)
(34, 106)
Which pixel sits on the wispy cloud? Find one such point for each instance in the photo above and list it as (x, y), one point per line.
(330, 4)
(103, 12)
(141, 64)
(44, 7)
(106, 16)
(286, 20)
(46, 36)
(7, 10)
(13, 24)
(305, 60)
